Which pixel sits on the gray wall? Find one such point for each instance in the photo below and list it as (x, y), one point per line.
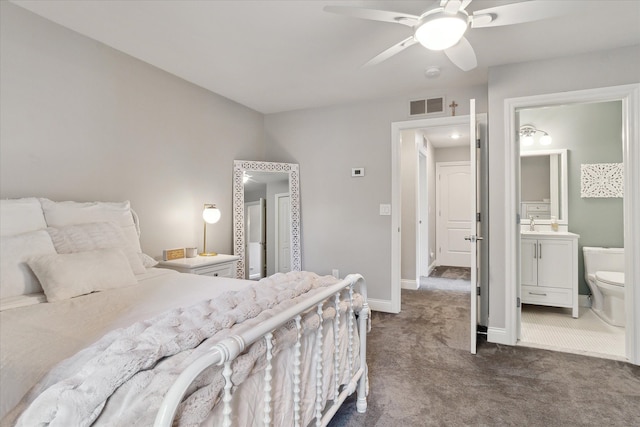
(81, 121)
(593, 134)
(341, 225)
(586, 71)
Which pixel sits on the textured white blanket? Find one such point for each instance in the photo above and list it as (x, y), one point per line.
(122, 378)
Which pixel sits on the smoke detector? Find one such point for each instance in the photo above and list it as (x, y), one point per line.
(432, 72)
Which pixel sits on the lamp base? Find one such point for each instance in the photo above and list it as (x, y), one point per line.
(208, 254)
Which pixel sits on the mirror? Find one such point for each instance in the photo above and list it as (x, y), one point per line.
(543, 186)
(266, 218)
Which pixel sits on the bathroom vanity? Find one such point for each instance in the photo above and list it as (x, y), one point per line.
(549, 269)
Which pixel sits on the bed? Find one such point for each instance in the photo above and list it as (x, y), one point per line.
(92, 333)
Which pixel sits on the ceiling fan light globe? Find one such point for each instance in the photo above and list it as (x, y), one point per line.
(440, 31)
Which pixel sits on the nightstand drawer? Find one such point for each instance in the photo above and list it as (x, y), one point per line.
(220, 265)
(222, 270)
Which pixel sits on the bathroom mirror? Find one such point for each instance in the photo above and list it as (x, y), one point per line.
(543, 186)
(266, 218)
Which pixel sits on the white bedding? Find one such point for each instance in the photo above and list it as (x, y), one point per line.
(36, 337)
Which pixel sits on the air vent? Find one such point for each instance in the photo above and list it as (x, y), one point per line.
(423, 107)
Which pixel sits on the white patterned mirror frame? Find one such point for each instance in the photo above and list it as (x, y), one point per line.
(239, 169)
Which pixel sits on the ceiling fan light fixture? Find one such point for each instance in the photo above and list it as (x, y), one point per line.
(440, 31)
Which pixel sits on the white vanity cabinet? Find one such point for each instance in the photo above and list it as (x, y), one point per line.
(549, 269)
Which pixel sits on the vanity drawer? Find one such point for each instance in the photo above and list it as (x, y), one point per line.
(546, 296)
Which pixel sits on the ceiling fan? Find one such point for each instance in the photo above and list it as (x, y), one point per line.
(443, 27)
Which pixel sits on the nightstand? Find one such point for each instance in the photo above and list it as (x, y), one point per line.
(218, 266)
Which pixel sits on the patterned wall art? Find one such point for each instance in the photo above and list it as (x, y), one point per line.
(602, 180)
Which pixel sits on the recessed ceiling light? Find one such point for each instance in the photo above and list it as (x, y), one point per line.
(455, 135)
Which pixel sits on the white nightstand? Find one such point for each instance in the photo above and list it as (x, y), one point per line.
(220, 265)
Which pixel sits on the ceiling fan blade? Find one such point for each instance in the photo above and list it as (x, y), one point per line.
(375, 15)
(517, 13)
(396, 48)
(451, 6)
(462, 55)
(464, 4)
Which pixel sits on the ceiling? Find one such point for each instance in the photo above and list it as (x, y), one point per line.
(275, 56)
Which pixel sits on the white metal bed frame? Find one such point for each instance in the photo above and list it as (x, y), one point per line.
(230, 348)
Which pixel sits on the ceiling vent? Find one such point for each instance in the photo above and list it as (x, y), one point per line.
(424, 107)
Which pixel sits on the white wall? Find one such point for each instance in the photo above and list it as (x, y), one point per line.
(341, 225)
(586, 71)
(81, 121)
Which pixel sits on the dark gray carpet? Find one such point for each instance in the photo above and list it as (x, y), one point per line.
(422, 374)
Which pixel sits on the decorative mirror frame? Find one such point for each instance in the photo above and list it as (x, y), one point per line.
(239, 169)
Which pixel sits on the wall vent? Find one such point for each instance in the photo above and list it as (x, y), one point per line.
(423, 107)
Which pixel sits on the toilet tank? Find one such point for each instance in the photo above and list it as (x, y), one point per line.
(602, 259)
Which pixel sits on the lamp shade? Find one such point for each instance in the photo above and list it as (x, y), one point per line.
(440, 31)
(211, 214)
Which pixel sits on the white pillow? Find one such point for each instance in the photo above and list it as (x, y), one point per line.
(16, 278)
(147, 261)
(20, 216)
(92, 236)
(59, 214)
(65, 276)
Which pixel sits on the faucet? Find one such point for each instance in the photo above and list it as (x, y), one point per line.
(532, 223)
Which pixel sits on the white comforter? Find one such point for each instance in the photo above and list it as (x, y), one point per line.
(34, 338)
(130, 368)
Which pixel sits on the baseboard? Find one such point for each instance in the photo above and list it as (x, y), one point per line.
(381, 305)
(584, 301)
(409, 284)
(498, 336)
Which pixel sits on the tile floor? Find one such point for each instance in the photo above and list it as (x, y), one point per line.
(553, 328)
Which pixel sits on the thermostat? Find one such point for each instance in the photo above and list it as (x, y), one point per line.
(357, 172)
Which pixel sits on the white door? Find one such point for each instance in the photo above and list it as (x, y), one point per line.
(255, 232)
(283, 233)
(453, 204)
(473, 237)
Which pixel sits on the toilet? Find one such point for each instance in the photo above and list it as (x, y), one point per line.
(604, 274)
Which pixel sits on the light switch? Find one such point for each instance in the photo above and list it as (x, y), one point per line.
(385, 209)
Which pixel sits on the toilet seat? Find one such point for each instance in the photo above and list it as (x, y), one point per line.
(614, 278)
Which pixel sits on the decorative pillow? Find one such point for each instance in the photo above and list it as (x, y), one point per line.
(65, 276)
(60, 214)
(92, 236)
(147, 261)
(21, 216)
(16, 278)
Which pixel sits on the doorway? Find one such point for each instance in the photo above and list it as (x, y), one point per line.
(629, 96)
(416, 128)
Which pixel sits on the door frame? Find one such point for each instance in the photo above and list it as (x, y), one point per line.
(630, 97)
(393, 306)
(422, 214)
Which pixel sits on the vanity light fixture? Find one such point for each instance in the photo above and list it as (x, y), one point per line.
(527, 133)
(210, 214)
